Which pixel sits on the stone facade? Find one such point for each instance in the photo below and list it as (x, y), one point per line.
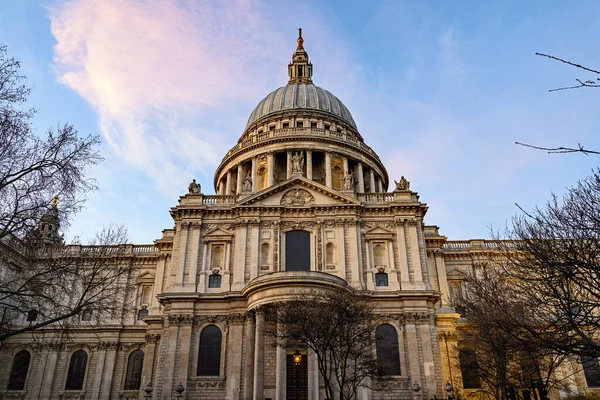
(300, 166)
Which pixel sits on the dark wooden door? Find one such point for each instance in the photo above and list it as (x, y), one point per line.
(297, 379)
(297, 251)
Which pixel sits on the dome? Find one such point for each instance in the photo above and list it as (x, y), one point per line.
(305, 96)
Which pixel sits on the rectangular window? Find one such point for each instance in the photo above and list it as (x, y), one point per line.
(591, 369)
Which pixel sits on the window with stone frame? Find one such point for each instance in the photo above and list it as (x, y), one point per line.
(591, 370)
(381, 279)
(209, 354)
(133, 376)
(18, 372)
(214, 281)
(469, 369)
(77, 369)
(297, 251)
(387, 350)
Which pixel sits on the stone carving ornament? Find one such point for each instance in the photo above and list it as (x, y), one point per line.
(194, 187)
(348, 181)
(403, 184)
(297, 197)
(297, 163)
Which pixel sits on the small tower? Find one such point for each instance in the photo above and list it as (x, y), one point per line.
(49, 225)
(300, 69)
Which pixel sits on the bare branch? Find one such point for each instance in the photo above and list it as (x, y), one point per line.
(560, 150)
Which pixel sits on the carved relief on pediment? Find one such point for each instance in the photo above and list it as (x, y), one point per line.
(297, 197)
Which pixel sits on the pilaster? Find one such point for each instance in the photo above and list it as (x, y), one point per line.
(249, 356)
(259, 355)
(328, 179)
(309, 172)
(361, 178)
(234, 359)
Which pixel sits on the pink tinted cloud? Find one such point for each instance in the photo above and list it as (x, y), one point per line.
(153, 70)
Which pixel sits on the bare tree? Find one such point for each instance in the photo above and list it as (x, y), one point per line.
(589, 83)
(555, 254)
(42, 282)
(32, 168)
(66, 286)
(338, 326)
(501, 328)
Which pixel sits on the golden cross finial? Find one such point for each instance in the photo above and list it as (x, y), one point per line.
(55, 200)
(300, 40)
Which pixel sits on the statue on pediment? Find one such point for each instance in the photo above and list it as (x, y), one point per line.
(194, 188)
(298, 163)
(348, 181)
(403, 184)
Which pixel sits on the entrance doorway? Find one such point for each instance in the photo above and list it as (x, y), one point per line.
(297, 379)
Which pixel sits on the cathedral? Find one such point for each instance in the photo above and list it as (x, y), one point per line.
(302, 202)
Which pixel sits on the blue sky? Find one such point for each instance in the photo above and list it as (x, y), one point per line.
(440, 89)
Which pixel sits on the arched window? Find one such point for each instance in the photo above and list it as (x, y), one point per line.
(214, 281)
(143, 313)
(76, 373)
(134, 370)
(381, 279)
(297, 251)
(591, 370)
(18, 372)
(469, 369)
(209, 355)
(388, 355)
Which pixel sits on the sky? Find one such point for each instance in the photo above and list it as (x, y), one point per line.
(441, 90)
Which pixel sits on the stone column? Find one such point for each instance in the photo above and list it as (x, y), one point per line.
(361, 179)
(42, 385)
(280, 372)
(234, 363)
(149, 356)
(328, 170)
(379, 185)
(440, 266)
(254, 180)
(288, 173)
(259, 355)
(109, 369)
(101, 357)
(239, 260)
(180, 262)
(415, 255)
(345, 161)
(271, 173)
(313, 376)
(240, 177)
(249, 357)
(372, 181)
(228, 183)
(183, 349)
(309, 164)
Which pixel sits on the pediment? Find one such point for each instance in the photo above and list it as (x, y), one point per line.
(218, 234)
(298, 192)
(454, 273)
(145, 277)
(379, 232)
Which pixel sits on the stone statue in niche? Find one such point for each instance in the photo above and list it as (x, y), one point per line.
(194, 187)
(348, 181)
(403, 184)
(298, 163)
(247, 184)
(297, 197)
